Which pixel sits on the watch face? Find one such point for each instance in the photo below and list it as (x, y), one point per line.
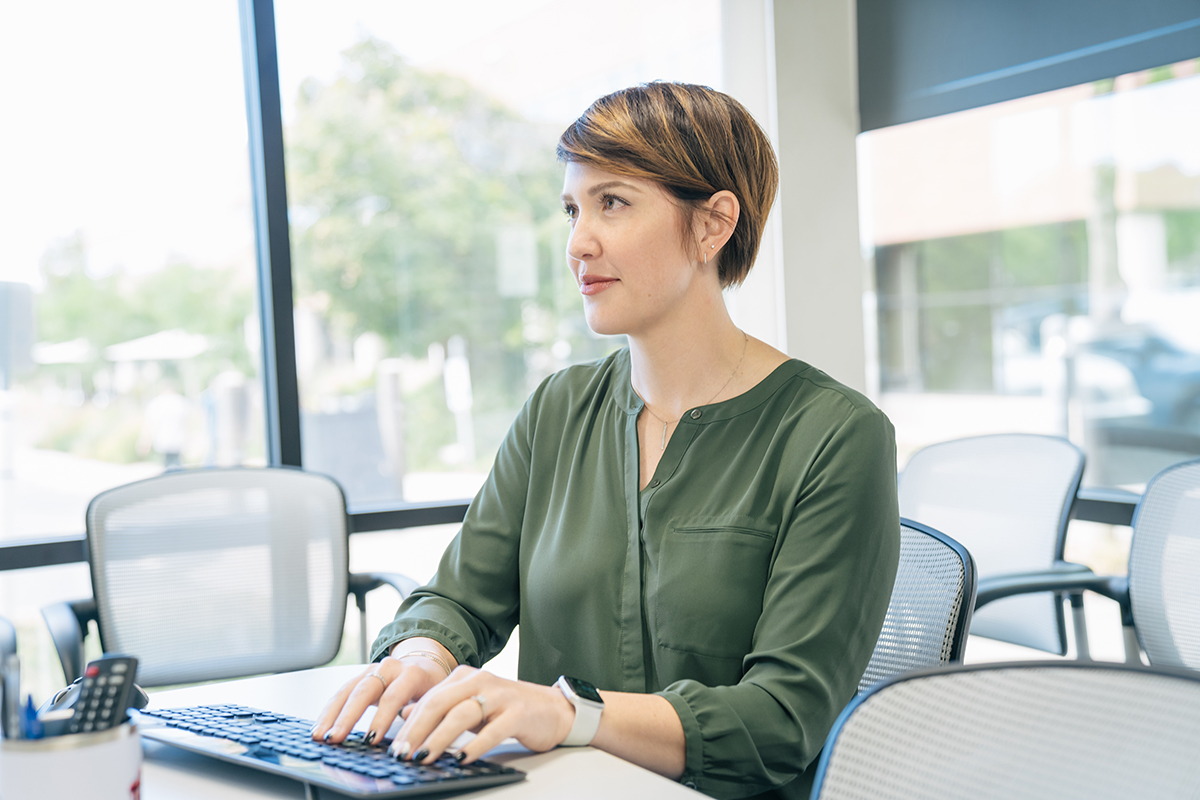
(584, 689)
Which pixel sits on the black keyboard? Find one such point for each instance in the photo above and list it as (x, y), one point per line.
(282, 745)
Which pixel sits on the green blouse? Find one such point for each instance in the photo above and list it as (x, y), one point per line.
(746, 584)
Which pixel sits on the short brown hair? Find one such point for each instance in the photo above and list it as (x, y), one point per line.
(694, 142)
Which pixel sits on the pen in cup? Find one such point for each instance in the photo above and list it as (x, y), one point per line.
(31, 726)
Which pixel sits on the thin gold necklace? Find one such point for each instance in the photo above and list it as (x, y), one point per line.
(666, 423)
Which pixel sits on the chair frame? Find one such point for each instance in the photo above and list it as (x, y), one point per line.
(962, 625)
(1060, 567)
(853, 705)
(1114, 587)
(970, 587)
(68, 621)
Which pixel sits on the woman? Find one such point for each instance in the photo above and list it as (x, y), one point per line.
(698, 525)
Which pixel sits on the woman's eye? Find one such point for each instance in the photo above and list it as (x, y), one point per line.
(571, 212)
(612, 202)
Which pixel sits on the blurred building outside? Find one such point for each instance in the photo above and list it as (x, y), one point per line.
(1037, 268)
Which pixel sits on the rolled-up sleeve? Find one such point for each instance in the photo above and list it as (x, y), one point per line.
(826, 596)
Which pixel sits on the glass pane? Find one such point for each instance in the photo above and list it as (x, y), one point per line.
(431, 288)
(128, 331)
(1037, 268)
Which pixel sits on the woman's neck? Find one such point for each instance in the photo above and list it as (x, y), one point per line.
(692, 362)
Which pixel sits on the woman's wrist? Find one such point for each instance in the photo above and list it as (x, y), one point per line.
(566, 712)
(425, 649)
(428, 655)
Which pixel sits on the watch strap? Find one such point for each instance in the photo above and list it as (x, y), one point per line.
(587, 718)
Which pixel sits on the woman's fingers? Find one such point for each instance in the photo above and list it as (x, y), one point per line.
(491, 735)
(389, 685)
(434, 707)
(365, 693)
(462, 717)
(537, 716)
(398, 695)
(334, 707)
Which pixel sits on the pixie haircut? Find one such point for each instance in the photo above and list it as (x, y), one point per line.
(694, 142)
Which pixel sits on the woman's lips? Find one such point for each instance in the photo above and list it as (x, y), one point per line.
(592, 286)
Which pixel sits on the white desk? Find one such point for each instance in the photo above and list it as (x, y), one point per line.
(173, 774)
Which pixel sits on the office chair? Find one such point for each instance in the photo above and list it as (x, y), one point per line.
(1160, 598)
(1007, 499)
(930, 610)
(217, 573)
(1056, 730)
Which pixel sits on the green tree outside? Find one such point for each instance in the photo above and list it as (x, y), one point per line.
(400, 181)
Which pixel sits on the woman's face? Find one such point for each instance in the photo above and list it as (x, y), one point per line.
(626, 250)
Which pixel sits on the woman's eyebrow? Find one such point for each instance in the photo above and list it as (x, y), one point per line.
(604, 187)
(601, 187)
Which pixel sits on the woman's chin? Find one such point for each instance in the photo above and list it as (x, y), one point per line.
(604, 325)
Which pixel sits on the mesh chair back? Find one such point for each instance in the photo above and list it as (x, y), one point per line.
(1006, 498)
(1062, 730)
(1164, 567)
(212, 574)
(930, 610)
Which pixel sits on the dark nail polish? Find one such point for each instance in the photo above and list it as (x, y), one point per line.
(371, 737)
(460, 755)
(421, 754)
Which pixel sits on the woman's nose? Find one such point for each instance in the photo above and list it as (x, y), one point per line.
(582, 244)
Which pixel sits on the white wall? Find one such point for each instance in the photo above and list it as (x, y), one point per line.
(793, 64)
(748, 73)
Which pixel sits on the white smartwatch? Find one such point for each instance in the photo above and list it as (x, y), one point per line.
(589, 705)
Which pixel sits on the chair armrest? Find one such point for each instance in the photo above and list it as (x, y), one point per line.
(363, 582)
(8, 640)
(68, 623)
(1062, 578)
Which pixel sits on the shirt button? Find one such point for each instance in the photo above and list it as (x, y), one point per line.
(654, 483)
(690, 785)
(696, 413)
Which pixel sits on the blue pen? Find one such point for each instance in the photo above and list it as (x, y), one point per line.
(31, 726)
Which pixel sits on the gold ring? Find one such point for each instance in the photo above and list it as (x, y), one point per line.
(375, 674)
(478, 698)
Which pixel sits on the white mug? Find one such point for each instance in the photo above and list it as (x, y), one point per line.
(99, 766)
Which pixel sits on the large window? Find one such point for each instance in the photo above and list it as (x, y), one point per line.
(431, 291)
(128, 324)
(1037, 268)
(427, 271)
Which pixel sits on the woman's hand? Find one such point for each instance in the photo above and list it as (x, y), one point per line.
(539, 717)
(389, 685)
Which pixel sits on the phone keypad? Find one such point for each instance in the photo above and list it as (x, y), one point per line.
(100, 703)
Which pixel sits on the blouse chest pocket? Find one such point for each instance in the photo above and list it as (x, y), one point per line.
(707, 586)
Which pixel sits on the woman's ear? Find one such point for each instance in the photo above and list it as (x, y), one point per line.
(719, 221)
